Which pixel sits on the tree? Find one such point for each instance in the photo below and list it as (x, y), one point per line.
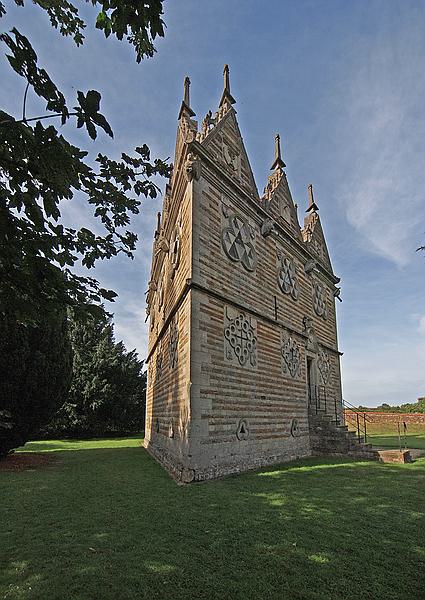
(39, 168)
(35, 372)
(108, 388)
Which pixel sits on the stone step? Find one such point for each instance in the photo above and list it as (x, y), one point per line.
(333, 437)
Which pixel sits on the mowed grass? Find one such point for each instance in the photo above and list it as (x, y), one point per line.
(106, 522)
(386, 435)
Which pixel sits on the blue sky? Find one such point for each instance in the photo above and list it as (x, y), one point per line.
(343, 83)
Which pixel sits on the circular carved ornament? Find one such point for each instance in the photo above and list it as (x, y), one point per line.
(287, 278)
(237, 244)
(319, 300)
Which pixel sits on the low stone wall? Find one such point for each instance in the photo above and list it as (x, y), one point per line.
(391, 418)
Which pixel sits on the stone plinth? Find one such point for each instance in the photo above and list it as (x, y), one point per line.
(394, 456)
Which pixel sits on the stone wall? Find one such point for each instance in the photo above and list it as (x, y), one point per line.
(382, 418)
(242, 313)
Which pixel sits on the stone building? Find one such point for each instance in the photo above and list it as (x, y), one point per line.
(243, 360)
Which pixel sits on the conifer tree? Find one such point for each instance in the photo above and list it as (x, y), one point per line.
(35, 373)
(107, 393)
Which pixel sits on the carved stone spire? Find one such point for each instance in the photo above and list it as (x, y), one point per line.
(278, 164)
(185, 107)
(226, 96)
(312, 206)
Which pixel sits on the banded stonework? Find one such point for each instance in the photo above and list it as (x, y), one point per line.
(241, 302)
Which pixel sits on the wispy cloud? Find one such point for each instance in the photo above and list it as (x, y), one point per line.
(384, 129)
(130, 327)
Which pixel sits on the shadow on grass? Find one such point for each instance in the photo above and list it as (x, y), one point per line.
(114, 525)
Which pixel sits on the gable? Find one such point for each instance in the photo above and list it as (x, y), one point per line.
(225, 145)
(314, 239)
(279, 203)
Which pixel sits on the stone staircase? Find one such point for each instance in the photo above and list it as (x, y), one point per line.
(329, 438)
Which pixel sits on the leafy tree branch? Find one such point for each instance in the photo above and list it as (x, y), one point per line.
(40, 169)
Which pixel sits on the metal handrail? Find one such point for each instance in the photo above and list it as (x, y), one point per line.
(358, 416)
(318, 399)
(354, 409)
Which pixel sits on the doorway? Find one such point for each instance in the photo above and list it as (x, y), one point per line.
(311, 381)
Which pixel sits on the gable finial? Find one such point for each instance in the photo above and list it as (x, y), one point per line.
(278, 163)
(312, 206)
(185, 107)
(186, 98)
(226, 96)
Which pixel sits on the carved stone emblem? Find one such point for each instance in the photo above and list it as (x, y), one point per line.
(295, 428)
(267, 227)
(161, 244)
(208, 123)
(311, 343)
(173, 342)
(242, 431)
(240, 339)
(309, 266)
(231, 157)
(190, 136)
(192, 167)
(291, 355)
(184, 421)
(319, 300)
(237, 242)
(158, 370)
(285, 211)
(160, 292)
(287, 278)
(175, 250)
(324, 366)
(150, 294)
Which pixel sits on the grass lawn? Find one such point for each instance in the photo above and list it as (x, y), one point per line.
(103, 521)
(386, 435)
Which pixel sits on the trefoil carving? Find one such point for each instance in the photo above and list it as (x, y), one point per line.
(242, 431)
(295, 428)
(237, 241)
(287, 277)
(319, 300)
